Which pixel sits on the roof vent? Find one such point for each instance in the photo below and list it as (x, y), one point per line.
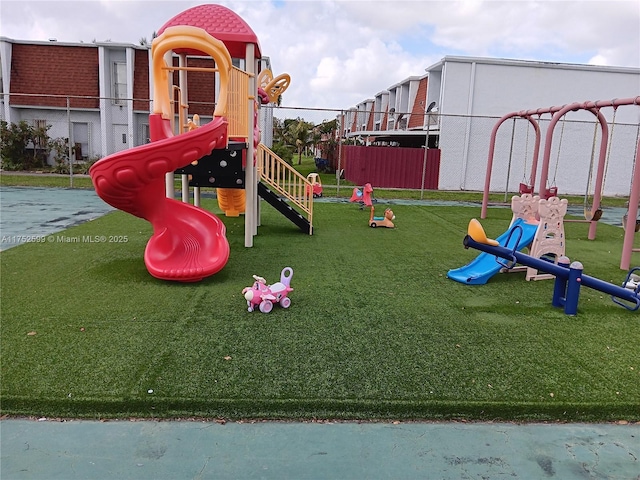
(53, 39)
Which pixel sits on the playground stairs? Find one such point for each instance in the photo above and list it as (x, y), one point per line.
(279, 183)
(284, 207)
(285, 189)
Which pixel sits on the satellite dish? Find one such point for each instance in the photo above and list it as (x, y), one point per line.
(431, 106)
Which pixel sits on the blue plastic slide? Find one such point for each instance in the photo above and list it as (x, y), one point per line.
(485, 265)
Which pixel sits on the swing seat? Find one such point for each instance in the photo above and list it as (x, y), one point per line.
(525, 188)
(550, 192)
(624, 223)
(592, 215)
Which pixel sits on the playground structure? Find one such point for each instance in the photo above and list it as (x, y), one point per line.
(592, 211)
(218, 171)
(189, 243)
(537, 225)
(569, 276)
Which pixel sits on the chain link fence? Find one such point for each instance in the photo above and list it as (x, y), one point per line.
(573, 154)
(88, 128)
(92, 128)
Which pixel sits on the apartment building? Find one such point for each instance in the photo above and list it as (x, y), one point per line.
(96, 95)
(455, 105)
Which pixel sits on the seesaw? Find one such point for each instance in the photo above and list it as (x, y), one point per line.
(569, 276)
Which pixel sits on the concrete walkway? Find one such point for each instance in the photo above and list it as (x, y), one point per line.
(275, 450)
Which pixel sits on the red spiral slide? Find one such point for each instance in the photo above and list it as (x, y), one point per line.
(188, 243)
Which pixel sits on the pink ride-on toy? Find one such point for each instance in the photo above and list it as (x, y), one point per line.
(264, 296)
(385, 221)
(364, 197)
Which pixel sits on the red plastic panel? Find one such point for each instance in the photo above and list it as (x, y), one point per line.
(221, 23)
(391, 167)
(188, 243)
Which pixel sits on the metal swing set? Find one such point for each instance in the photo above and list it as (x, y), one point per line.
(597, 171)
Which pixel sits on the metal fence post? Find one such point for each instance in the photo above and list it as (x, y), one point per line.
(424, 165)
(339, 128)
(70, 149)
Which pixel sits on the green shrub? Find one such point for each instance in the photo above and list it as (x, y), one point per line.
(283, 151)
(25, 147)
(13, 146)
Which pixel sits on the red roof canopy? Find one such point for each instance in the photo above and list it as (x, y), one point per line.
(221, 23)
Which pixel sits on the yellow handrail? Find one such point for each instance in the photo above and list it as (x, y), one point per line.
(284, 179)
(238, 99)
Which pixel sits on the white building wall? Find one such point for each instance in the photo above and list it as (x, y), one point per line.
(393, 107)
(495, 88)
(379, 107)
(5, 78)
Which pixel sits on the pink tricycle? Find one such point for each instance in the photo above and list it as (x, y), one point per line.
(264, 296)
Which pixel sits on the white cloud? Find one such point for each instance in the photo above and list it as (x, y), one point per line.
(570, 31)
(341, 52)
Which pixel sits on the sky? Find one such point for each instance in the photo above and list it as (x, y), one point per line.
(342, 52)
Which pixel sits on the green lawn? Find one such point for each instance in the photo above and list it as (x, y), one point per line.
(375, 329)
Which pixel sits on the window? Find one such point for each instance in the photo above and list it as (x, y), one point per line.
(80, 138)
(40, 139)
(119, 83)
(145, 135)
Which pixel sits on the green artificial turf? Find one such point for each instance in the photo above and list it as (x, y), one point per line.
(375, 329)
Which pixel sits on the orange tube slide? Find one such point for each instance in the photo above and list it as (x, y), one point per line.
(231, 201)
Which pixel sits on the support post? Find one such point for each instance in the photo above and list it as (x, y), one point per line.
(560, 285)
(70, 148)
(251, 185)
(632, 215)
(573, 288)
(424, 165)
(339, 153)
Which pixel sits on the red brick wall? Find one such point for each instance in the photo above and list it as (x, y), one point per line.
(200, 86)
(72, 71)
(141, 80)
(54, 70)
(370, 122)
(419, 106)
(385, 117)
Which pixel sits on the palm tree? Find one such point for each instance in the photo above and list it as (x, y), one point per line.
(316, 138)
(300, 132)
